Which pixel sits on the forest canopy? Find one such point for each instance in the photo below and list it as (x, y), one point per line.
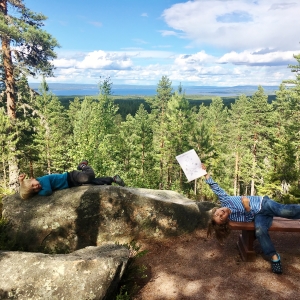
(250, 147)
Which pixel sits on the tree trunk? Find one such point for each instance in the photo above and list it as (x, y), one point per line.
(9, 79)
(161, 184)
(10, 87)
(253, 169)
(31, 169)
(143, 157)
(236, 175)
(13, 168)
(11, 102)
(4, 172)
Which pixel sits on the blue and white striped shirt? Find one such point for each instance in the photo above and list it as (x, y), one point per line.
(234, 203)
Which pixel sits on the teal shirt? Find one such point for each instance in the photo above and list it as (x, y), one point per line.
(52, 183)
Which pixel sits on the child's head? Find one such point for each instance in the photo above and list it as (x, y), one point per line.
(219, 224)
(29, 187)
(220, 215)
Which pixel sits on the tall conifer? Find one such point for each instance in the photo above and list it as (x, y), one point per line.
(26, 49)
(158, 110)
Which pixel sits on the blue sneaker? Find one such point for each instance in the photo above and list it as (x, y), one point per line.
(118, 180)
(276, 265)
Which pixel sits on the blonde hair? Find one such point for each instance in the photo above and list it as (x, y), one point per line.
(26, 189)
(221, 231)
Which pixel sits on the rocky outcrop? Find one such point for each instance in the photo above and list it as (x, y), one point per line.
(90, 273)
(86, 218)
(74, 218)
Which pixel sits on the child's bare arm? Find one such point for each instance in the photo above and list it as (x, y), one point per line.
(246, 203)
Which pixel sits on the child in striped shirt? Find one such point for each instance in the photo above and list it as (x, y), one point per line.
(259, 209)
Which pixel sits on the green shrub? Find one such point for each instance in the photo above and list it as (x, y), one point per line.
(5, 242)
(134, 274)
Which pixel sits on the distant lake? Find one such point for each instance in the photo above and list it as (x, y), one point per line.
(61, 89)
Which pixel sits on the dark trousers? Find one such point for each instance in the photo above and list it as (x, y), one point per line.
(103, 180)
(77, 178)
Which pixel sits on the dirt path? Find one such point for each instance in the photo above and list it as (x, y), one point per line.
(193, 267)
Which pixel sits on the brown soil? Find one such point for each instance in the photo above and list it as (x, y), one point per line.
(192, 267)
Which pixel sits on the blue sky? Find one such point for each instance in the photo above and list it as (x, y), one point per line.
(196, 42)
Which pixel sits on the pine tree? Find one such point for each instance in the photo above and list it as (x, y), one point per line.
(283, 177)
(74, 109)
(295, 69)
(238, 139)
(26, 124)
(95, 129)
(82, 147)
(158, 110)
(135, 150)
(52, 132)
(260, 121)
(26, 49)
(217, 124)
(4, 140)
(178, 138)
(2, 80)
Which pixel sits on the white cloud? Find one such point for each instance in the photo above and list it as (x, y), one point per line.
(193, 59)
(251, 58)
(97, 60)
(64, 63)
(225, 42)
(238, 24)
(168, 33)
(162, 46)
(139, 41)
(259, 67)
(96, 24)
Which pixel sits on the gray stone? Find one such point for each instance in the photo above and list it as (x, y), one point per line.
(90, 273)
(74, 218)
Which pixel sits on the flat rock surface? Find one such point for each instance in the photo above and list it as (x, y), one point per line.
(89, 273)
(192, 267)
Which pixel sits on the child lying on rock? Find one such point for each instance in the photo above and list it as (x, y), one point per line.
(45, 185)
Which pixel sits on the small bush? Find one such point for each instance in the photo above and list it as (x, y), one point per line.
(135, 273)
(5, 242)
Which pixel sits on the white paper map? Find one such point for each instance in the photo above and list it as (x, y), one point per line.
(191, 165)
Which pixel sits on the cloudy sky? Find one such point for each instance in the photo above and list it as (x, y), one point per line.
(196, 42)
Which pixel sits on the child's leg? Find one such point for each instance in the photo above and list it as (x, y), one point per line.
(87, 175)
(275, 209)
(109, 180)
(103, 180)
(262, 225)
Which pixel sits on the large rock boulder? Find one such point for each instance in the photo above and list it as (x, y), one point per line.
(74, 218)
(90, 273)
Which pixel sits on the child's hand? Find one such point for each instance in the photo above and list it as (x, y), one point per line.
(22, 177)
(246, 203)
(204, 168)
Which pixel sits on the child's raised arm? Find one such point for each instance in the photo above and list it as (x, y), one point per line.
(204, 168)
(22, 177)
